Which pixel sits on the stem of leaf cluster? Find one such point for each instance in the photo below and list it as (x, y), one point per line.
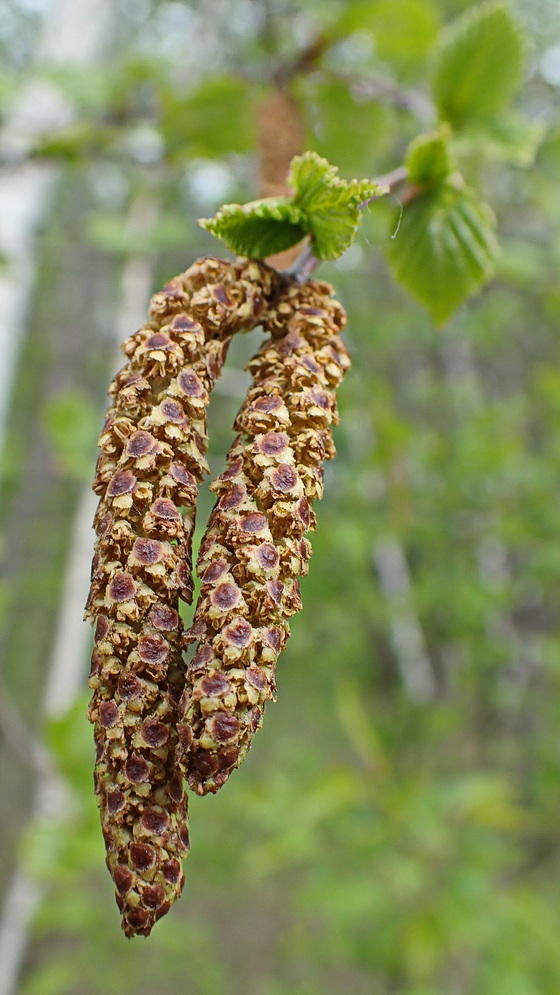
(391, 181)
(307, 262)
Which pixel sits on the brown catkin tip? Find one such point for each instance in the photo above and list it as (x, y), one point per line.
(153, 454)
(255, 548)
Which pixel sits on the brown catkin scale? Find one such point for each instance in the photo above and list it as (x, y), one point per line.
(153, 448)
(255, 548)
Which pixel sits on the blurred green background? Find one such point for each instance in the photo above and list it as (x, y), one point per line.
(395, 828)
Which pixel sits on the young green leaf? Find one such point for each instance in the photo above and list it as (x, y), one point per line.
(479, 64)
(429, 159)
(315, 181)
(445, 248)
(259, 228)
(331, 205)
(323, 206)
(71, 425)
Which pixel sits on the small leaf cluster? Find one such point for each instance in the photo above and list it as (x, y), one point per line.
(140, 115)
(445, 248)
(323, 206)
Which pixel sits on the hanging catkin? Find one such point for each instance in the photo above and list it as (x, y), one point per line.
(254, 548)
(152, 456)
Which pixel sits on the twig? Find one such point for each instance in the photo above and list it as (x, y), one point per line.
(373, 89)
(307, 262)
(303, 63)
(389, 182)
(304, 265)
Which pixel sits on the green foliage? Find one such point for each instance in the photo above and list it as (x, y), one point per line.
(214, 120)
(323, 206)
(71, 424)
(342, 123)
(479, 64)
(330, 205)
(445, 248)
(403, 32)
(429, 159)
(93, 89)
(70, 742)
(8, 89)
(260, 228)
(506, 137)
(73, 142)
(50, 851)
(108, 231)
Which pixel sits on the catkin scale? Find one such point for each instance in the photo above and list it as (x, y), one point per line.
(152, 457)
(255, 548)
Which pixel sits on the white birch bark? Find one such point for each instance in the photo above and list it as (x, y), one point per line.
(25, 192)
(407, 637)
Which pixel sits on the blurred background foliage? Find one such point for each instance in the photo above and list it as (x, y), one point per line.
(395, 827)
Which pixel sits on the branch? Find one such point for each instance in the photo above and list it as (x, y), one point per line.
(307, 262)
(393, 181)
(372, 89)
(303, 63)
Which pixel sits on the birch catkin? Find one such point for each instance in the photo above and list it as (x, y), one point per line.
(152, 457)
(254, 549)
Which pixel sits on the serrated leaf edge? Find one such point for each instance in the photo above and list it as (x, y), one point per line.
(329, 192)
